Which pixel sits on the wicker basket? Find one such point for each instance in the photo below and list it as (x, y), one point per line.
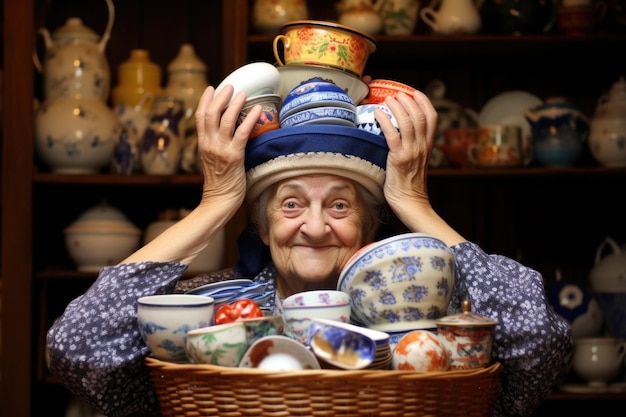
(208, 390)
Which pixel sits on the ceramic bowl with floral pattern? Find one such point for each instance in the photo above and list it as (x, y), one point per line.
(400, 283)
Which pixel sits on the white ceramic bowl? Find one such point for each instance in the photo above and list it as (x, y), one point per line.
(254, 79)
(164, 321)
(293, 75)
(400, 283)
(299, 309)
(321, 115)
(101, 236)
(221, 344)
(279, 353)
(366, 120)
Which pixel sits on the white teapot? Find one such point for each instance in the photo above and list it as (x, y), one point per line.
(607, 138)
(75, 43)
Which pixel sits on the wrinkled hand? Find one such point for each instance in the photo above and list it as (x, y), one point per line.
(409, 152)
(222, 144)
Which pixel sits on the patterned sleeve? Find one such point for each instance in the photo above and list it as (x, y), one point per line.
(95, 348)
(531, 340)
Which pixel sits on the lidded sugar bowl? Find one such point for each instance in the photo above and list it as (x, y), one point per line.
(468, 338)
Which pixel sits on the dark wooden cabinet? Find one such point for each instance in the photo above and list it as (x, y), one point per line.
(548, 218)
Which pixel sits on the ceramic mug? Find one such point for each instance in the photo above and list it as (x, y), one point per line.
(497, 146)
(598, 360)
(456, 144)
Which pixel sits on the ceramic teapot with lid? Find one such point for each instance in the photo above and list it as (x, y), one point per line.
(74, 61)
(607, 139)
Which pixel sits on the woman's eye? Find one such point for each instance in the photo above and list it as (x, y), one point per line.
(339, 205)
(290, 205)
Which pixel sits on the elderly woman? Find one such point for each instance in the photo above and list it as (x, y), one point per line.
(314, 203)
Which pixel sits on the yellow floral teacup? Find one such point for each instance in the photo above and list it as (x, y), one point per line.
(309, 42)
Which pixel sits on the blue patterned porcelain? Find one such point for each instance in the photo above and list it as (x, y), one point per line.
(300, 308)
(314, 93)
(164, 321)
(321, 115)
(399, 283)
(345, 345)
(365, 118)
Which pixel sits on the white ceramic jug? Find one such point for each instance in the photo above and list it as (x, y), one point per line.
(363, 15)
(607, 275)
(74, 61)
(607, 138)
(452, 17)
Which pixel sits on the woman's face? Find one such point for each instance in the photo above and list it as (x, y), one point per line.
(315, 224)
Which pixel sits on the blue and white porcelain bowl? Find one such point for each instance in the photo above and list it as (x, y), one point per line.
(366, 120)
(315, 93)
(164, 321)
(321, 115)
(399, 283)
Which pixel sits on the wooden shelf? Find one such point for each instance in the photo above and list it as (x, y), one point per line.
(196, 180)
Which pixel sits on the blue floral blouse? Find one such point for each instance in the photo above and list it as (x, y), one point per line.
(96, 350)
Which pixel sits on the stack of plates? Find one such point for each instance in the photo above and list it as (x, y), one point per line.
(233, 290)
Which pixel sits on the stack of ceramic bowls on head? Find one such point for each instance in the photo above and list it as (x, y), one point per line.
(399, 284)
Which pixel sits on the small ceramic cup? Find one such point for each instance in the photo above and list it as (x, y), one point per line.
(598, 360)
(365, 119)
(497, 146)
(164, 321)
(380, 89)
(220, 344)
(269, 119)
(299, 309)
(467, 337)
(456, 143)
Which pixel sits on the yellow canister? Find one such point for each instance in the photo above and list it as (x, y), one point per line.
(139, 81)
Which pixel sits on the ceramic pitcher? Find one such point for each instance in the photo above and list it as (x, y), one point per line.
(559, 131)
(452, 17)
(75, 61)
(399, 16)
